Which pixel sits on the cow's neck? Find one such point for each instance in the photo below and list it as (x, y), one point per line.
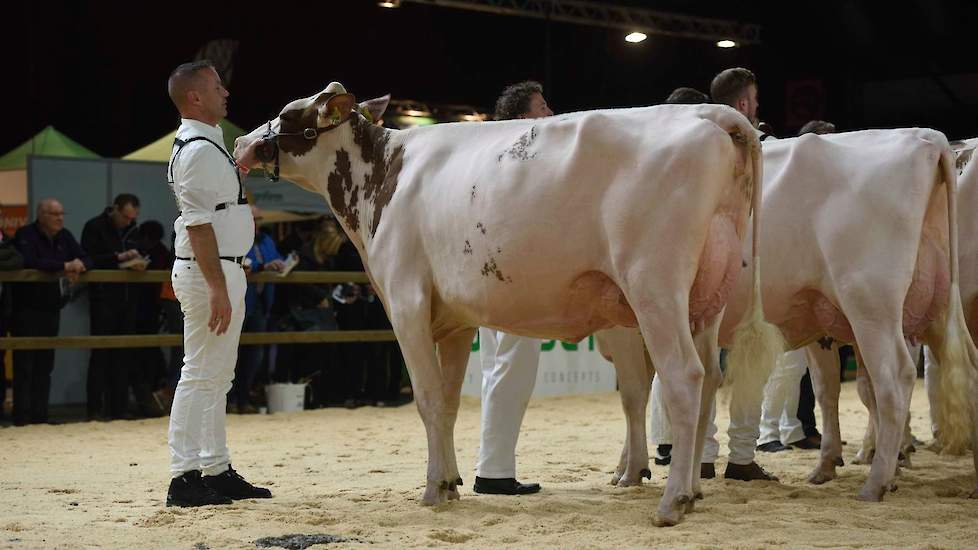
(362, 179)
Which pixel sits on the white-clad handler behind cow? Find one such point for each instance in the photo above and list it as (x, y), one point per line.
(509, 362)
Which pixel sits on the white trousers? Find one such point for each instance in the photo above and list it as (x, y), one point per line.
(660, 429)
(509, 372)
(197, 437)
(779, 412)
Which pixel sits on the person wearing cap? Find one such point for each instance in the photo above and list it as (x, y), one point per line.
(509, 362)
(214, 232)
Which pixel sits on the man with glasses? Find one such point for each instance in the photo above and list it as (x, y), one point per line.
(48, 246)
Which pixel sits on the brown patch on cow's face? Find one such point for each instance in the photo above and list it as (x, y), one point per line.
(381, 182)
(296, 117)
(338, 184)
(519, 150)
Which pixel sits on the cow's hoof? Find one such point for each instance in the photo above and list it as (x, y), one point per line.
(839, 462)
(864, 456)
(820, 476)
(629, 481)
(646, 473)
(671, 513)
(974, 494)
(871, 494)
(903, 460)
(616, 478)
(439, 492)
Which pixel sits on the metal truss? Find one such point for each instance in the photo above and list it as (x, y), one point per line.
(611, 16)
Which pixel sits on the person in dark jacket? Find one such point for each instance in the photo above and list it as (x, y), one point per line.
(10, 260)
(112, 240)
(45, 245)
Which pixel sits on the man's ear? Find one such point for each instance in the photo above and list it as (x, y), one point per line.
(375, 107)
(337, 109)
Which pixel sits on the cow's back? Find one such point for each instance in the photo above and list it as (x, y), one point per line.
(509, 214)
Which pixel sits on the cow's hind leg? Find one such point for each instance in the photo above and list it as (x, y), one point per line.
(627, 350)
(891, 371)
(665, 328)
(864, 387)
(708, 348)
(823, 362)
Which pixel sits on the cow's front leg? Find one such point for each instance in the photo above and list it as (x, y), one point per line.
(412, 325)
(453, 354)
(627, 350)
(823, 362)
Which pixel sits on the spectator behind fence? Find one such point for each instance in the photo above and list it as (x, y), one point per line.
(10, 260)
(308, 307)
(172, 324)
(259, 298)
(48, 246)
(149, 311)
(112, 240)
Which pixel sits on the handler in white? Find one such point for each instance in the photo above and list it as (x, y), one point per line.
(509, 362)
(214, 231)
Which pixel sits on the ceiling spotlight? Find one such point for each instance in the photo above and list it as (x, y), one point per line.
(726, 44)
(635, 37)
(389, 3)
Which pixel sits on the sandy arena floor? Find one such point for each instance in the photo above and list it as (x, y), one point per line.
(359, 474)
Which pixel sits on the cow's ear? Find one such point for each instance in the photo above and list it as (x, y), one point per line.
(337, 109)
(375, 108)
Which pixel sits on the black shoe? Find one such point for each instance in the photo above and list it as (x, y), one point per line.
(772, 447)
(748, 472)
(663, 455)
(707, 470)
(807, 443)
(505, 486)
(189, 490)
(230, 484)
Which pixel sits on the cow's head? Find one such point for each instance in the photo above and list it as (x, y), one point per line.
(283, 144)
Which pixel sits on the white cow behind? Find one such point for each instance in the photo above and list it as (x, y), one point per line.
(937, 384)
(552, 228)
(860, 247)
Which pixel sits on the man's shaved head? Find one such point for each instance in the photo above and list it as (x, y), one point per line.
(186, 78)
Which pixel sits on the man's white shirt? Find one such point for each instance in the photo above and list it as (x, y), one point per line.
(203, 178)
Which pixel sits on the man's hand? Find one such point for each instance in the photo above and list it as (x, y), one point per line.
(75, 266)
(127, 255)
(220, 312)
(275, 265)
(247, 159)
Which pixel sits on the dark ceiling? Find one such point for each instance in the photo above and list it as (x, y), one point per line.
(97, 70)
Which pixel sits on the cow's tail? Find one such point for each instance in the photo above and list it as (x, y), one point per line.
(951, 343)
(757, 344)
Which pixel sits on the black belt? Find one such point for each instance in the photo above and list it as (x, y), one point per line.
(223, 205)
(235, 259)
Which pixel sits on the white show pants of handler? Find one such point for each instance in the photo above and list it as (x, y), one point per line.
(197, 437)
(509, 372)
(779, 412)
(660, 429)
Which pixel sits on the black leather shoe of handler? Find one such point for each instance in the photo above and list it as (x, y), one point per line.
(505, 486)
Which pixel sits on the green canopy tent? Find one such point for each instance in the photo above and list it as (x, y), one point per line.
(159, 150)
(13, 165)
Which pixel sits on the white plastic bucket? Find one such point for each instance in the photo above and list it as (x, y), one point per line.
(285, 397)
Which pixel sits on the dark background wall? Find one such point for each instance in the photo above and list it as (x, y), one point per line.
(97, 70)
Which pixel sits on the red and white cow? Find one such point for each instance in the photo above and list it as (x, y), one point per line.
(551, 228)
(856, 237)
